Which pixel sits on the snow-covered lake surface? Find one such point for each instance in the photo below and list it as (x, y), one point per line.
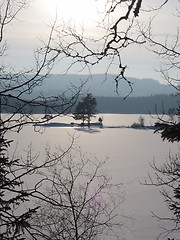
(130, 152)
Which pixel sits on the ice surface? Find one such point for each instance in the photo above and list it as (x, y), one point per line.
(129, 152)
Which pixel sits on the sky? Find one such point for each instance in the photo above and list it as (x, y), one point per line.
(31, 26)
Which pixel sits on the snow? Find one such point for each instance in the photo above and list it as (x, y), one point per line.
(129, 152)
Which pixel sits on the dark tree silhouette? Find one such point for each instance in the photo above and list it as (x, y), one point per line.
(168, 175)
(85, 109)
(116, 35)
(167, 179)
(116, 30)
(16, 88)
(169, 131)
(85, 203)
(12, 195)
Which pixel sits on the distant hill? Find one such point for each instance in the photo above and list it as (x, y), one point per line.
(101, 85)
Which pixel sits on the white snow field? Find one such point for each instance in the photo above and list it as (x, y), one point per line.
(129, 151)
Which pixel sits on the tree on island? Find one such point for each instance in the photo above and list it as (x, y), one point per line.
(85, 109)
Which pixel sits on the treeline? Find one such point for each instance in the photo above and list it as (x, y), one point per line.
(137, 105)
(131, 105)
(12, 105)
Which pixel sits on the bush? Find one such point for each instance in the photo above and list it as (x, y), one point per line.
(139, 124)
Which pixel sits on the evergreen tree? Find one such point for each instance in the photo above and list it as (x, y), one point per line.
(170, 130)
(85, 109)
(13, 221)
(168, 175)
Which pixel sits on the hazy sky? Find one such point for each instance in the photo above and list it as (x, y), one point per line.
(25, 33)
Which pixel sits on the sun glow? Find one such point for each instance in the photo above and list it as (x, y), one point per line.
(84, 12)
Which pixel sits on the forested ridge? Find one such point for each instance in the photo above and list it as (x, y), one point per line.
(131, 105)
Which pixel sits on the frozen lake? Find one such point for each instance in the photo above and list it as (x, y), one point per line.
(130, 151)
